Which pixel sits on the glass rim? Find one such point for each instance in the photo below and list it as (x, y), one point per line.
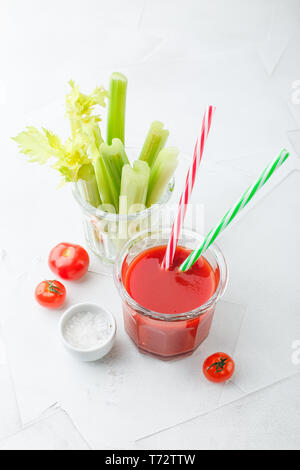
(221, 263)
(99, 213)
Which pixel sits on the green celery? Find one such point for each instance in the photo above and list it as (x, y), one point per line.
(85, 128)
(129, 188)
(116, 107)
(143, 173)
(117, 149)
(134, 187)
(155, 141)
(103, 182)
(88, 184)
(114, 158)
(161, 173)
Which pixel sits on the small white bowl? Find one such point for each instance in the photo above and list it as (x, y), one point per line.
(88, 355)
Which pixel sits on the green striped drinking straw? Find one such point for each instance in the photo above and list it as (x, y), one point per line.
(230, 215)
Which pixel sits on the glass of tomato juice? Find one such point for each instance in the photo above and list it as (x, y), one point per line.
(168, 314)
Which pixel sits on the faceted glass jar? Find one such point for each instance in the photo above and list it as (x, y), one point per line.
(168, 336)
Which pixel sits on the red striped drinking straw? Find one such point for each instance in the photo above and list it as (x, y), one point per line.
(189, 184)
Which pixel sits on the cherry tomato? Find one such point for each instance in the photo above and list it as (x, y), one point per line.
(50, 294)
(219, 367)
(69, 261)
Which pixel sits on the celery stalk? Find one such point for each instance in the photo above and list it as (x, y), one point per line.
(134, 187)
(161, 173)
(133, 195)
(88, 184)
(117, 149)
(114, 158)
(128, 194)
(129, 189)
(97, 135)
(103, 182)
(143, 173)
(155, 141)
(116, 107)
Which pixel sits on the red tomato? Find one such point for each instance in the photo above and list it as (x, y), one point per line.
(50, 294)
(219, 367)
(69, 261)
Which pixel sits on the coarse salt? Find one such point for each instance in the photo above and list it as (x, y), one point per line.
(87, 330)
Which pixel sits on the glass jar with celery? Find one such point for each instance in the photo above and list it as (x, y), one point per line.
(120, 190)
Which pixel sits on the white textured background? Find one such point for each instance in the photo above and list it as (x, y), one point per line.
(242, 56)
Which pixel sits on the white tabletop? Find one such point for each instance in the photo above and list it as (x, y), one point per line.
(178, 56)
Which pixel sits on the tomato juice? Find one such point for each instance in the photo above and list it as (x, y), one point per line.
(170, 321)
(171, 291)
